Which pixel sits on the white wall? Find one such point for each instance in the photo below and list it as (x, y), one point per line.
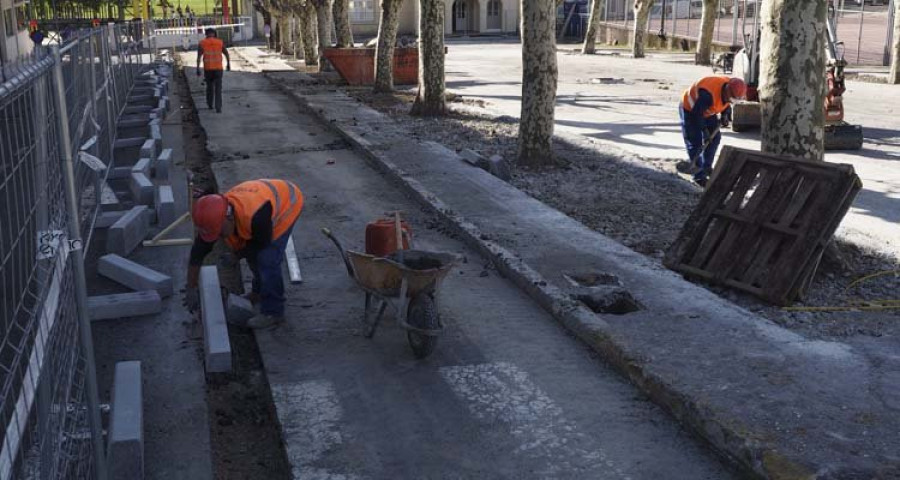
(16, 43)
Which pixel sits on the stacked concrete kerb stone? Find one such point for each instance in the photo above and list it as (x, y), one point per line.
(130, 201)
(139, 159)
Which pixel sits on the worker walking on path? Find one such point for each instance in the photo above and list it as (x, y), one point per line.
(210, 51)
(700, 108)
(255, 219)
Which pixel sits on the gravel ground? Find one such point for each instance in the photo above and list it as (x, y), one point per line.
(643, 205)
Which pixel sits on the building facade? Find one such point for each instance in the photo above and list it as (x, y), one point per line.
(14, 41)
(461, 17)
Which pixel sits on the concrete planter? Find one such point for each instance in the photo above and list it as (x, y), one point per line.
(357, 65)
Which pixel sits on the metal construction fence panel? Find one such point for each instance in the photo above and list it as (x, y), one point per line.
(863, 26)
(59, 106)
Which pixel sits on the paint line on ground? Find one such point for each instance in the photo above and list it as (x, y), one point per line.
(500, 393)
(310, 416)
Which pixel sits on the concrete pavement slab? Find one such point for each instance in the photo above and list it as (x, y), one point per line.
(128, 232)
(126, 423)
(733, 377)
(118, 305)
(134, 275)
(338, 394)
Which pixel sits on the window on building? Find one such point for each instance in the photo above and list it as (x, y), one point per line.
(362, 11)
(8, 25)
(493, 8)
(22, 17)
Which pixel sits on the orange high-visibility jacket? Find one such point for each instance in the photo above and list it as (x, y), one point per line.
(212, 53)
(714, 86)
(246, 198)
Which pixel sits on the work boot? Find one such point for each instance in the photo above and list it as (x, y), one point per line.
(687, 167)
(263, 321)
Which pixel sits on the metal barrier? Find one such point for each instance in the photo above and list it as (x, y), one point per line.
(168, 34)
(56, 113)
(865, 30)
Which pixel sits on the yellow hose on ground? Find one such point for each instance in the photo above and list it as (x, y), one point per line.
(858, 305)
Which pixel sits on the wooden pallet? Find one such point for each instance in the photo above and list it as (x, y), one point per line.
(763, 223)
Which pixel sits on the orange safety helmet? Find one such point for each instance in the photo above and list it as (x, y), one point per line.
(737, 88)
(209, 214)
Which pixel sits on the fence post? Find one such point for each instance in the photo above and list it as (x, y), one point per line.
(734, 21)
(675, 19)
(109, 93)
(42, 86)
(889, 35)
(862, 20)
(84, 321)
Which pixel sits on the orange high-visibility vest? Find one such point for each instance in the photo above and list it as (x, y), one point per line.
(714, 86)
(212, 53)
(247, 198)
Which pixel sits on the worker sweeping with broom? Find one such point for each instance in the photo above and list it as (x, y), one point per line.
(255, 219)
(700, 110)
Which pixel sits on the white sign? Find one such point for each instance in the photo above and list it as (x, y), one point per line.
(49, 242)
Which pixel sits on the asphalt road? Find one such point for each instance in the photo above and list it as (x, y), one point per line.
(507, 394)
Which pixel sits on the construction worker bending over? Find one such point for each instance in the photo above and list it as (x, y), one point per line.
(700, 108)
(210, 51)
(255, 219)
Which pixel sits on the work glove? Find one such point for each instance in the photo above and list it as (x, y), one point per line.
(228, 67)
(199, 73)
(725, 119)
(191, 299)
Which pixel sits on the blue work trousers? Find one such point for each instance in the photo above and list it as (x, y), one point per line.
(268, 281)
(695, 134)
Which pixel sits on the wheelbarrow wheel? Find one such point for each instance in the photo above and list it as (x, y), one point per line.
(422, 314)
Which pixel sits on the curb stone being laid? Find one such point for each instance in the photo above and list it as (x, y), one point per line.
(776, 403)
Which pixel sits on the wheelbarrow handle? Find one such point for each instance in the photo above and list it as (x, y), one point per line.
(340, 247)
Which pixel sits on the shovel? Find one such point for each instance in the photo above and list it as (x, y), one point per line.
(690, 167)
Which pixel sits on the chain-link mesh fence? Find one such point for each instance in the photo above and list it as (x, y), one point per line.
(864, 26)
(57, 105)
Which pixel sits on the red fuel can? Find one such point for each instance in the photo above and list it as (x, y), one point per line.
(381, 237)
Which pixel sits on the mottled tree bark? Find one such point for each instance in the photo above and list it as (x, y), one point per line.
(792, 77)
(297, 35)
(639, 34)
(707, 29)
(895, 51)
(590, 37)
(430, 99)
(384, 50)
(342, 30)
(284, 22)
(539, 77)
(309, 31)
(324, 24)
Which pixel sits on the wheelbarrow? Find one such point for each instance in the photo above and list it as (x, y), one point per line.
(407, 281)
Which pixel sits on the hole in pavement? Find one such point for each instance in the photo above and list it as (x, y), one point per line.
(592, 279)
(615, 302)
